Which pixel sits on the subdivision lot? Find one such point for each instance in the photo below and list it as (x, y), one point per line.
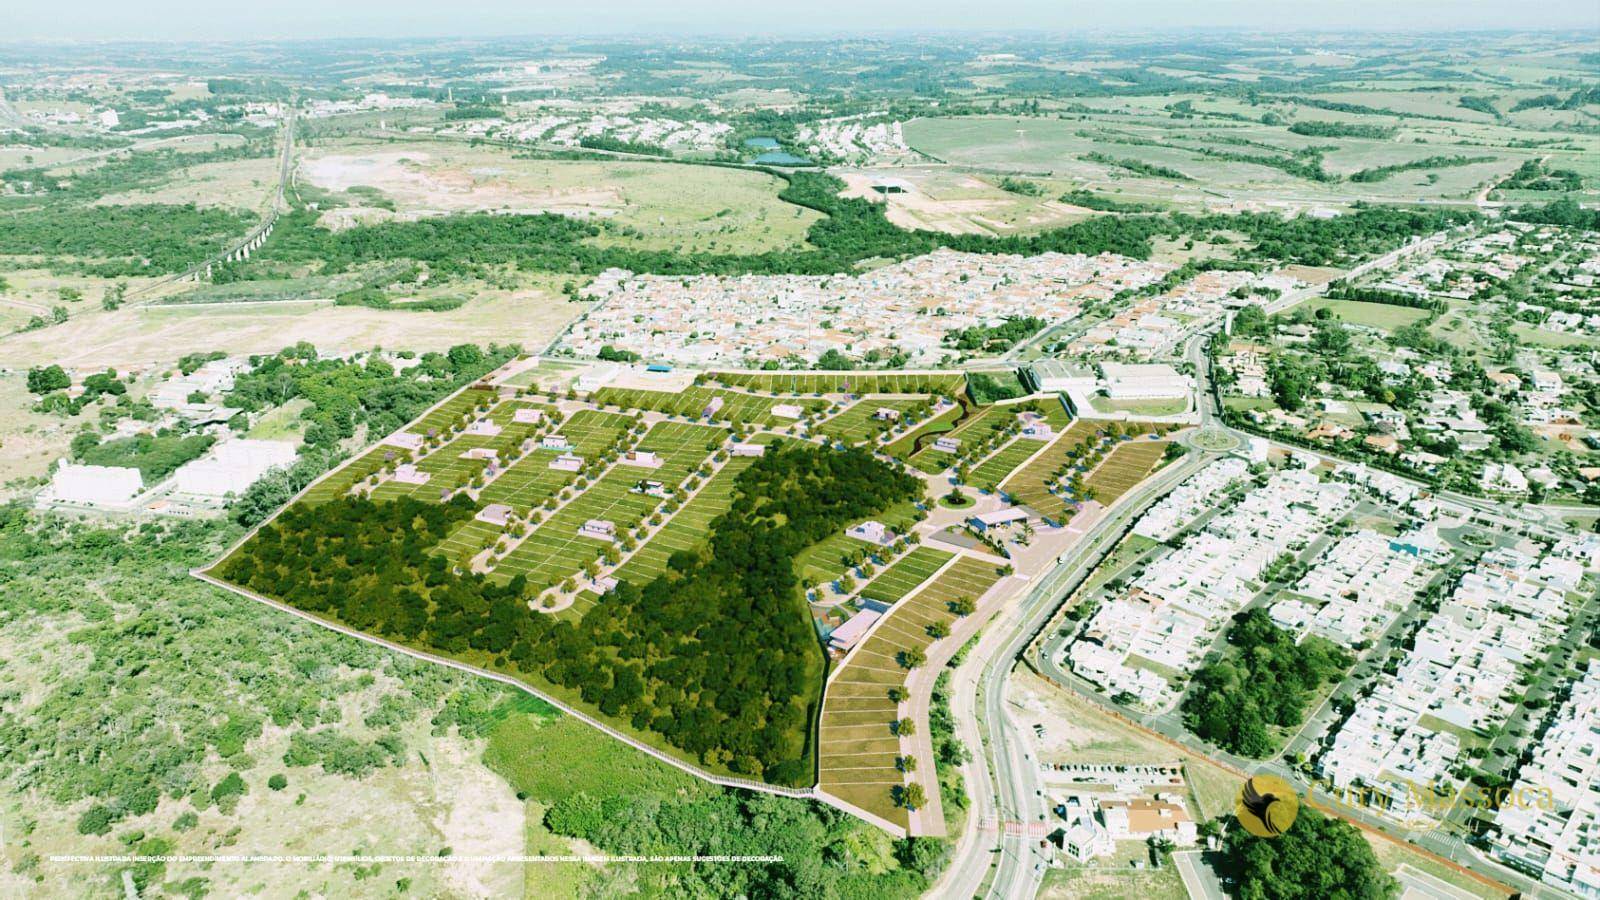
(694, 402)
(1127, 465)
(689, 528)
(1030, 485)
(904, 445)
(948, 384)
(555, 550)
(903, 577)
(975, 429)
(858, 749)
(860, 423)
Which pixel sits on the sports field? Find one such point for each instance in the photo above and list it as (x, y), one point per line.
(857, 746)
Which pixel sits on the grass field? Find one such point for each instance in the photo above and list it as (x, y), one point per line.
(903, 577)
(974, 430)
(902, 446)
(948, 384)
(689, 528)
(1375, 315)
(555, 550)
(989, 474)
(858, 423)
(857, 748)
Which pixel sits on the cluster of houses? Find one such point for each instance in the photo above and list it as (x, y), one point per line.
(1461, 677)
(1151, 328)
(853, 139)
(908, 307)
(1161, 626)
(1552, 827)
(1360, 585)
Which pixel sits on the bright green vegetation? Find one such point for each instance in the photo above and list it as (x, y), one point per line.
(556, 551)
(689, 527)
(617, 800)
(1377, 315)
(994, 338)
(1264, 684)
(904, 445)
(1319, 856)
(947, 384)
(903, 577)
(647, 657)
(989, 473)
(155, 456)
(695, 401)
(860, 423)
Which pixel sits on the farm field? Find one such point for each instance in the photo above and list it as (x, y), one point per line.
(858, 746)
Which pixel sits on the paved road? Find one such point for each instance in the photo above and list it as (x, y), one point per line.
(1198, 878)
(1016, 800)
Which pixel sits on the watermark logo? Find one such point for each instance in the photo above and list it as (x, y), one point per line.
(1266, 805)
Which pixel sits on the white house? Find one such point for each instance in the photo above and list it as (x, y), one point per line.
(567, 462)
(872, 532)
(231, 467)
(850, 633)
(788, 411)
(555, 442)
(405, 440)
(642, 459)
(495, 514)
(527, 415)
(406, 473)
(746, 449)
(947, 444)
(598, 528)
(94, 485)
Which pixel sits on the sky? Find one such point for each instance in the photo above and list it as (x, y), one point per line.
(256, 19)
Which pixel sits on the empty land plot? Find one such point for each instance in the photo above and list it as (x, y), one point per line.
(1030, 485)
(531, 481)
(903, 577)
(1129, 463)
(859, 423)
(824, 561)
(857, 747)
(989, 474)
(555, 550)
(696, 401)
(903, 446)
(949, 384)
(689, 528)
(339, 483)
(975, 429)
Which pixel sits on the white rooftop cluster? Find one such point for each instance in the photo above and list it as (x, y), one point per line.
(1552, 827)
(1197, 494)
(854, 140)
(909, 306)
(1176, 608)
(1460, 677)
(570, 130)
(1355, 591)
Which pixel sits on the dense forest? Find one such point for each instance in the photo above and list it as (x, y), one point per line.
(115, 241)
(1265, 681)
(1319, 857)
(716, 655)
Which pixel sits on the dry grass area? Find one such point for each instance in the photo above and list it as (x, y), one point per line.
(246, 184)
(29, 442)
(157, 335)
(670, 206)
(960, 203)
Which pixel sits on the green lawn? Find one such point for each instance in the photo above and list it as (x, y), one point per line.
(903, 577)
